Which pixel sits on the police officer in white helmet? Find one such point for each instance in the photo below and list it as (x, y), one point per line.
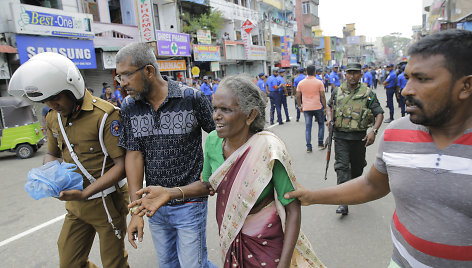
(82, 130)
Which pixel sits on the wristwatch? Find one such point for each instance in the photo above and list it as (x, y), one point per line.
(375, 131)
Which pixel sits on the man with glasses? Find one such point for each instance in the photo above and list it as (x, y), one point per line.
(162, 123)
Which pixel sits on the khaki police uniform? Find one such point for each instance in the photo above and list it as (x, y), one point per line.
(85, 218)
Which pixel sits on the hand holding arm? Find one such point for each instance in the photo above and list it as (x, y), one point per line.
(371, 186)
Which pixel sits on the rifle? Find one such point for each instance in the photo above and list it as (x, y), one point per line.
(329, 139)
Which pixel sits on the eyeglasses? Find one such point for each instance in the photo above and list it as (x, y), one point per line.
(120, 78)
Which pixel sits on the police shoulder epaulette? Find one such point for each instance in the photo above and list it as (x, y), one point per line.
(103, 105)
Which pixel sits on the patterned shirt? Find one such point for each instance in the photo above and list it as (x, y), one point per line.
(432, 188)
(170, 138)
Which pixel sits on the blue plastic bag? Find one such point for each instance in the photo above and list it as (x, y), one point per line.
(52, 178)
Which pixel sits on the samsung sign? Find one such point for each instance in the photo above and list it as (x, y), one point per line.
(81, 52)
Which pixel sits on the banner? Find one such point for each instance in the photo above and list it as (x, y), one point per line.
(206, 53)
(327, 41)
(172, 44)
(286, 51)
(145, 21)
(256, 52)
(204, 37)
(29, 19)
(79, 51)
(171, 65)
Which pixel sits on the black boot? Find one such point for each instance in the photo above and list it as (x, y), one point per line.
(342, 209)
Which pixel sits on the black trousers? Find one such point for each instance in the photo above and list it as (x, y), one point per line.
(349, 159)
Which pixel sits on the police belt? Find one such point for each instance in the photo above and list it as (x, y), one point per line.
(109, 190)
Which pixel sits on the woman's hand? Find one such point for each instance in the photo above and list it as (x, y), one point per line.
(156, 197)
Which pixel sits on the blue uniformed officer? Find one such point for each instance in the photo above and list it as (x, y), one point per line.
(334, 78)
(206, 89)
(283, 92)
(297, 80)
(262, 84)
(390, 85)
(275, 96)
(401, 83)
(367, 76)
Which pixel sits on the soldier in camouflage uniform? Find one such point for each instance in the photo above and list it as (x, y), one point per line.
(354, 108)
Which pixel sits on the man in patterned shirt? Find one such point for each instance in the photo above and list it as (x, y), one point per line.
(162, 133)
(424, 159)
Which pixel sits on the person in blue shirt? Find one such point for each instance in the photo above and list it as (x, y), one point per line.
(118, 96)
(215, 84)
(275, 96)
(318, 75)
(297, 80)
(367, 76)
(401, 83)
(326, 80)
(334, 78)
(206, 89)
(374, 77)
(261, 83)
(284, 92)
(390, 85)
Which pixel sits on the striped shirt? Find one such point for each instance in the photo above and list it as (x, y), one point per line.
(432, 188)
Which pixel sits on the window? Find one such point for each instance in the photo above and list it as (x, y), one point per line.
(155, 11)
(43, 3)
(92, 8)
(306, 7)
(115, 11)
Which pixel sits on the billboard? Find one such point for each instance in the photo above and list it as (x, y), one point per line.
(79, 51)
(29, 19)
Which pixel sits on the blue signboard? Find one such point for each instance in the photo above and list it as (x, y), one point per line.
(81, 52)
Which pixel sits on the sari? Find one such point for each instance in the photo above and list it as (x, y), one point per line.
(255, 240)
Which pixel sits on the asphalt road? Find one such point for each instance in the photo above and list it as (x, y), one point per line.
(30, 228)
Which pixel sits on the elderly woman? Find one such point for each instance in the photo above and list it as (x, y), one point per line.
(250, 171)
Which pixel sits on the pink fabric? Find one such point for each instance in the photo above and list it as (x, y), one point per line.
(310, 88)
(259, 243)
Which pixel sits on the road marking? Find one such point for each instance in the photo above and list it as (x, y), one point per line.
(273, 125)
(32, 230)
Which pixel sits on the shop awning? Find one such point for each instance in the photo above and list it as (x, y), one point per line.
(8, 49)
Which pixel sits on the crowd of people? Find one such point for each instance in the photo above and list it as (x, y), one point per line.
(423, 158)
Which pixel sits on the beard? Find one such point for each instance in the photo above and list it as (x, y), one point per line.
(439, 117)
(139, 96)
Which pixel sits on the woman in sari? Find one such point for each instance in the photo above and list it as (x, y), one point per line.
(250, 171)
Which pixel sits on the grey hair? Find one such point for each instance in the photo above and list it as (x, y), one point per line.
(249, 97)
(140, 53)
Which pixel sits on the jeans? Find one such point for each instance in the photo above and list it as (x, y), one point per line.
(179, 235)
(319, 115)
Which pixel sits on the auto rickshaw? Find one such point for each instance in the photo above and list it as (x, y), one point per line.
(20, 130)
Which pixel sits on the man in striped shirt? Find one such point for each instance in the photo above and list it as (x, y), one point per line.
(424, 159)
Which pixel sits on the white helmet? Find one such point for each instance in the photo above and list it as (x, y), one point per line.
(46, 75)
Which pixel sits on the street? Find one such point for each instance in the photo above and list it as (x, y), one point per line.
(30, 228)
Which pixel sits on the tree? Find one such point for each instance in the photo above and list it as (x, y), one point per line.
(396, 45)
(213, 21)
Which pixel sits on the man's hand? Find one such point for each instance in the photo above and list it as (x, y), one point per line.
(156, 197)
(135, 225)
(369, 138)
(71, 195)
(301, 193)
